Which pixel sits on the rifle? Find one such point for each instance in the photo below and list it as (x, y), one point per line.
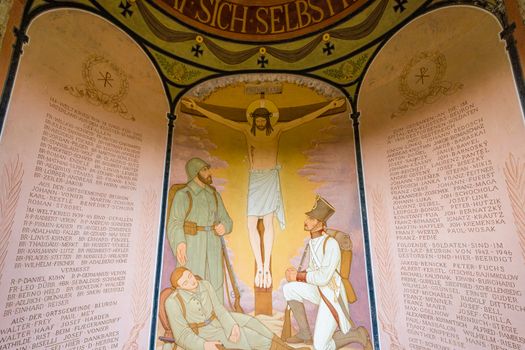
(287, 324)
(236, 294)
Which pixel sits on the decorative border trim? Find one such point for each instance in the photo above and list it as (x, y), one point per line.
(230, 57)
(205, 89)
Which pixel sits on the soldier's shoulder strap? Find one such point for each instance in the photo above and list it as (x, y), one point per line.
(324, 249)
(326, 241)
(190, 205)
(181, 302)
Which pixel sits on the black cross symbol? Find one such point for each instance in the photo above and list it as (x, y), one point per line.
(197, 51)
(125, 6)
(329, 47)
(422, 75)
(262, 61)
(106, 79)
(400, 7)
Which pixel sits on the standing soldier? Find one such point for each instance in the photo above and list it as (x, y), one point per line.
(323, 285)
(197, 220)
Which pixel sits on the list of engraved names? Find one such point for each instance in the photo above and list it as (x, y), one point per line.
(75, 238)
(457, 289)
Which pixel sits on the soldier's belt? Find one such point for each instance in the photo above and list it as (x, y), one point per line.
(195, 326)
(191, 228)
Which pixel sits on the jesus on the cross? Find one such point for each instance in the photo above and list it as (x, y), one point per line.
(262, 133)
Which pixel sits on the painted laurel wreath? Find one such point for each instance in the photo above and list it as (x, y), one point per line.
(440, 63)
(144, 260)
(111, 102)
(10, 187)
(515, 178)
(432, 91)
(388, 297)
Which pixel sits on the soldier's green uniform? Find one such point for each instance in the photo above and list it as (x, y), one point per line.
(187, 309)
(203, 250)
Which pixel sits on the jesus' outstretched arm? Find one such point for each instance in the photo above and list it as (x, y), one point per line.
(338, 102)
(192, 104)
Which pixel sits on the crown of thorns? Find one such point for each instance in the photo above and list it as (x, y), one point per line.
(261, 112)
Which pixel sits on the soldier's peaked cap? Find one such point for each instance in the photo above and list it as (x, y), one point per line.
(322, 210)
(193, 166)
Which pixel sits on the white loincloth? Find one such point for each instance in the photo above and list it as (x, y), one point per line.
(264, 194)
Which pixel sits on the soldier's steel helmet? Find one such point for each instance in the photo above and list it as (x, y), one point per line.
(322, 210)
(193, 166)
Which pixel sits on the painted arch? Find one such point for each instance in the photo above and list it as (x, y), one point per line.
(325, 61)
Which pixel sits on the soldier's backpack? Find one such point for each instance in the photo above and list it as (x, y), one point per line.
(345, 245)
(171, 195)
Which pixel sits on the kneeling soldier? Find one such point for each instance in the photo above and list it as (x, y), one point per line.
(322, 284)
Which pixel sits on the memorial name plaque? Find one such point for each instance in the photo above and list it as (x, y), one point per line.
(442, 182)
(439, 165)
(82, 181)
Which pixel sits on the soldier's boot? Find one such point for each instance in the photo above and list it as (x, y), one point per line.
(304, 335)
(355, 335)
(279, 344)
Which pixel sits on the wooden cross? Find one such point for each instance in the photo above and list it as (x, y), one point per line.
(263, 296)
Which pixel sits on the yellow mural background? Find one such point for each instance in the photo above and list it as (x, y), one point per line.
(298, 192)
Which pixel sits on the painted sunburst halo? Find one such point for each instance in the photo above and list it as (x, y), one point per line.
(263, 103)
